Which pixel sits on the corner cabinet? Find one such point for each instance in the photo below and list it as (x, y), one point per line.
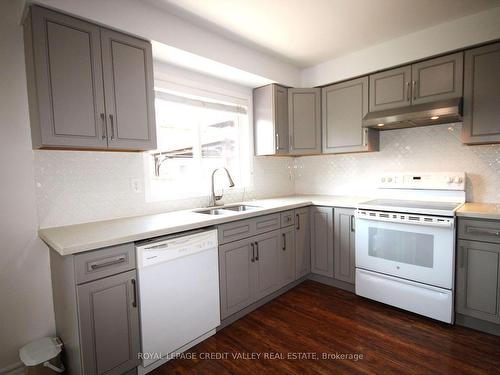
(322, 241)
(482, 95)
(344, 105)
(270, 113)
(302, 242)
(88, 87)
(304, 117)
(427, 81)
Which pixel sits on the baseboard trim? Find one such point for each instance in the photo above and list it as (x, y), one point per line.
(477, 324)
(332, 282)
(13, 369)
(240, 314)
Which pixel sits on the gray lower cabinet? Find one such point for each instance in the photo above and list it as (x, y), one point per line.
(344, 245)
(302, 242)
(109, 324)
(287, 257)
(481, 95)
(343, 107)
(88, 87)
(304, 119)
(96, 309)
(266, 259)
(477, 280)
(322, 241)
(390, 89)
(437, 79)
(270, 117)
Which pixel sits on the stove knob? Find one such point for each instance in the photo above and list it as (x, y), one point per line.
(458, 180)
(389, 179)
(449, 179)
(382, 179)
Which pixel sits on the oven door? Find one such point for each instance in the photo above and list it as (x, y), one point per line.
(414, 247)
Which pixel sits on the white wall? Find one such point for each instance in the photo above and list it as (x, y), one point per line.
(426, 149)
(153, 23)
(26, 311)
(457, 34)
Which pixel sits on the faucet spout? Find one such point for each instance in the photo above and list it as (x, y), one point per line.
(214, 198)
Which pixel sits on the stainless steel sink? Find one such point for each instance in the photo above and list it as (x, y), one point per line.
(213, 211)
(240, 207)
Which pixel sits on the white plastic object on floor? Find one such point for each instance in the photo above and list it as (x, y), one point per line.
(40, 352)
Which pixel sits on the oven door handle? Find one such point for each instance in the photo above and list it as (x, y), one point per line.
(401, 218)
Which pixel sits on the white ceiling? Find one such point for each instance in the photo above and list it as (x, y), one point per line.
(308, 32)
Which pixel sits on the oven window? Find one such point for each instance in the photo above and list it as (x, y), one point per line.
(399, 246)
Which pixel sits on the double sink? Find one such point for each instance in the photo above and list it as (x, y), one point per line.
(225, 210)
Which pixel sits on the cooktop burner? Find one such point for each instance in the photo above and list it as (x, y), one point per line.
(411, 206)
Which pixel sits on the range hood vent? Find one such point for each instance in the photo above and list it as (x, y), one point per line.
(442, 112)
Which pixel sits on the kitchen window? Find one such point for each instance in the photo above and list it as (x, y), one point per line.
(196, 135)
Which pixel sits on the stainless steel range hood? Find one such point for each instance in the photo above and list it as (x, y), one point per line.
(442, 112)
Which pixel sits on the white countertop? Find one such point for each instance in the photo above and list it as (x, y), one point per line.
(480, 210)
(77, 238)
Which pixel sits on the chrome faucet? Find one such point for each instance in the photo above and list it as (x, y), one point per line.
(214, 198)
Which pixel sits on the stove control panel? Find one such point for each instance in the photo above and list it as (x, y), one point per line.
(427, 181)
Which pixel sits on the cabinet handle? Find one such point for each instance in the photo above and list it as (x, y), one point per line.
(487, 232)
(257, 251)
(112, 123)
(253, 252)
(297, 216)
(134, 291)
(95, 266)
(284, 241)
(277, 141)
(353, 224)
(408, 96)
(414, 89)
(103, 126)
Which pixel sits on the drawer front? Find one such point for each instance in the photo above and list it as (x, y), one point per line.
(287, 218)
(104, 262)
(479, 230)
(267, 223)
(236, 231)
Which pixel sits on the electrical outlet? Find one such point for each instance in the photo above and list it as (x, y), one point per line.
(135, 184)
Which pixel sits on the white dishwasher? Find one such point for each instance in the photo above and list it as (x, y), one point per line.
(178, 279)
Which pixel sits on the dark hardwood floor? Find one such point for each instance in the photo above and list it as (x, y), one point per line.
(313, 319)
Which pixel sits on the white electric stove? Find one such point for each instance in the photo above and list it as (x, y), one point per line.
(405, 242)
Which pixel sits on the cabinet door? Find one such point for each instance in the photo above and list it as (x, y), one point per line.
(322, 241)
(390, 89)
(302, 242)
(344, 106)
(437, 79)
(129, 94)
(478, 286)
(109, 324)
(344, 250)
(304, 117)
(270, 117)
(267, 254)
(481, 95)
(66, 58)
(235, 273)
(287, 257)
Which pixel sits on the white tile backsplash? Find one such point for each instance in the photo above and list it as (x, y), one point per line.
(75, 187)
(425, 149)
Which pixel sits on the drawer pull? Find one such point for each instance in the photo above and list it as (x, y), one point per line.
(95, 266)
(488, 232)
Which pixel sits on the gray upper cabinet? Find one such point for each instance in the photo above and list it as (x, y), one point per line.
(109, 348)
(302, 242)
(437, 79)
(65, 86)
(270, 112)
(390, 89)
(322, 241)
(129, 93)
(304, 118)
(344, 249)
(478, 285)
(482, 95)
(88, 87)
(344, 105)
